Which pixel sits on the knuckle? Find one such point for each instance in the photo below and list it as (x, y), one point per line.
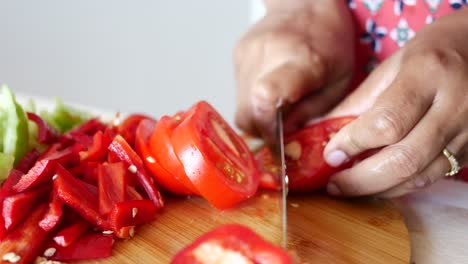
(352, 141)
(404, 162)
(388, 125)
(435, 60)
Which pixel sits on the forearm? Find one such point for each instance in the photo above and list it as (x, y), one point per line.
(288, 5)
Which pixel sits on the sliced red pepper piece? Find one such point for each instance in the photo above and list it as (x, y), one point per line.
(90, 127)
(132, 213)
(80, 138)
(68, 157)
(28, 161)
(125, 153)
(53, 215)
(40, 173)
(80, 196)
(98, 149)
(111, 185)
(86, 247)
(133, 194)
(46, 133)
(163, 178)
(25, 242)
(70, 233)
(17, 206)
(87, 171)
(6, 190)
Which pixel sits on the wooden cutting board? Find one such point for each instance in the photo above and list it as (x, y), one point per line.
(321, 229)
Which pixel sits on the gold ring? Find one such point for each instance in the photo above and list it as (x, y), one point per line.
(454, 165)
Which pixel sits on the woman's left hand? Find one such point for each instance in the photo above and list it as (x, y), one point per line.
(413, 106)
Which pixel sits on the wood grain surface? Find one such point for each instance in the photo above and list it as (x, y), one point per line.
(321, 230)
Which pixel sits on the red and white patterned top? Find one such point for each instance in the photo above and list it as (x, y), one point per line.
(383, 26)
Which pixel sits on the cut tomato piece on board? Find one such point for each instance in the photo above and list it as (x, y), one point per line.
(269, 168)
(215, 158)
(163, 152)
(232, 243)
(305, 164)
(127, 129)
(122, 151)
(162, 176)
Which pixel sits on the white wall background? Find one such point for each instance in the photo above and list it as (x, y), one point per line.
(150, 56)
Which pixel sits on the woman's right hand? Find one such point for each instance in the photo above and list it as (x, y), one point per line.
(301, 54)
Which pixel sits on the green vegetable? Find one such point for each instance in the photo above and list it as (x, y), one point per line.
(64, 118)
(6, 164)
(13, 126)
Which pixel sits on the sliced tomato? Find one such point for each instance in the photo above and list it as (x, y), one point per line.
(215, 158)
(127, 129)
(269, 168)
(232, 243)
(306, 166)
(162, 176)
(163, 152)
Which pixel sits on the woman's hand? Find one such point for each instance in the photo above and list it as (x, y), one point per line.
(300, 54)
(413, 106)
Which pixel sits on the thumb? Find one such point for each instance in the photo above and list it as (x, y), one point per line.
(285, 84)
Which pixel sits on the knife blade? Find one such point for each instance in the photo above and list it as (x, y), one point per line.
(284, 179)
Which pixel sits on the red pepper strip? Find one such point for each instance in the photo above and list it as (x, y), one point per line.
(67, 157)
(133, 194)
(87, 171)
(125, 153)
(53, 215)
(132, 213)
(86, 247)
(129, 126)
(17, 206)
(81, 138)
(111, 185)
(80, 196)
(6, 190)
(27, 240)
(40, 173)
(90, 127)
(46, 133)
(70, 233)
(98, 150)
(28, 161)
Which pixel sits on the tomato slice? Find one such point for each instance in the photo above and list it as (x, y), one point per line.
(231, 243)
(215, 158)
(163, 152)
(269, 168)
(162, 176)
(306, 166)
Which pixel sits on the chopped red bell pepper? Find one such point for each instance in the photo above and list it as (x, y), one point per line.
(17, 206)
(80, 138)
(90, 127)
(53, 215)
(6, 190)
(127, 129)
(80, 196)
(133, 194)
(125, 153)
(67, 157)
(132, 213)
(98, 149)
(25, 242)
(46, 133)
(28, 161)
(86, 247)
(87, 171)
(70, 233)
(111, 185)
(40, 173)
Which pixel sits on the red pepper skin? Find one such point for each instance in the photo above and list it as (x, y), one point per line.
(127, 129)
(86, 247)
(70, 233)
(28, 161)
(111, 185)
(133, 194)
(98, 149)
(6, 190)
(46, 134)
(90, 127)
(53, 215)
(27, 240)
(79, 195)
(120, 148)
(40, 173)
(18, 206)
(67, 157)
(132, 213)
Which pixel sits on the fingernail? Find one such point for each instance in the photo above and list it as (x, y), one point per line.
(332, 189)
(336, 158)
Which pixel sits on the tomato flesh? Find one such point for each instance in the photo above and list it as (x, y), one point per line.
(215, 158)
(306, 166)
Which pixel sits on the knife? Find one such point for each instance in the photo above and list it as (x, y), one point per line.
(284, 178)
